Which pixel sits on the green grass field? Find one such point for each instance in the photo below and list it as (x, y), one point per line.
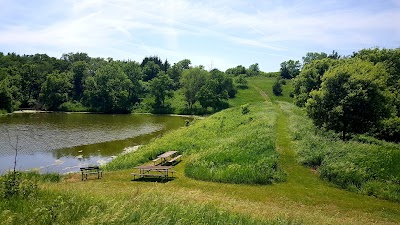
(203, 193)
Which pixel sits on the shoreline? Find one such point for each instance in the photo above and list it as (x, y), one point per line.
(27, 111)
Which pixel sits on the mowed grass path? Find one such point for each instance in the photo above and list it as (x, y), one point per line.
(303, 198)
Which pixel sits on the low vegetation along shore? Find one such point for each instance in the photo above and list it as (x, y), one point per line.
(259, 162)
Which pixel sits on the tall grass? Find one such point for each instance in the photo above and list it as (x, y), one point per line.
(149, 208)
(23, 184)
(230, 146)
(361, 165)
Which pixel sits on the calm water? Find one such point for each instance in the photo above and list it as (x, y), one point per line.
(61, 142)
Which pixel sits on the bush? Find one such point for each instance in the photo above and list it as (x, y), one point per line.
(73, 107)
(245, 109)
(390, 129)
(241, 81)
(13, 186)
(277, 88)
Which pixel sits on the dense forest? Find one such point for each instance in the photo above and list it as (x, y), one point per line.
(357, 94)
(77, 82)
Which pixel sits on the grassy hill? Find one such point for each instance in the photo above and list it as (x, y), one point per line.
(237, 168)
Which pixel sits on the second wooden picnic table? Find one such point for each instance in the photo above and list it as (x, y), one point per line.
(154, 171)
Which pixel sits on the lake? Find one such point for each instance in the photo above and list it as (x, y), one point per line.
(64, 142)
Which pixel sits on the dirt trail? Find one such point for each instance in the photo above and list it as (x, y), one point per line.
(262, 93)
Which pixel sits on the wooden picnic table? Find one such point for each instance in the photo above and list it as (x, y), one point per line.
(154, 171)
(91, 170)
(163, 157)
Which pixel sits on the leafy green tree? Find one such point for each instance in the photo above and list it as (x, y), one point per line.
(56, 89)
(216, 90)
(311, 56)
(80, 71)
(191, 81)
(31, 81)
(224, 84)
(166, 65)
(389, 129)
(108, 90)
(5, 92)
(309, 79)
(254, 70)
(391, 59)
(277, 87)
(9, 90)
(135, 75)
(352, 98)
(334, 55)
(184, 64)
(150, 70)
(161, 88)
(175, 72)
(163, 66)
(290, 69)
(241, 81)
(236, 71)
(75, 57)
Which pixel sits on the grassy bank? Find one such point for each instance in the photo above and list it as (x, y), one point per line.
(236, 145)
(52, 207)
(362, 165)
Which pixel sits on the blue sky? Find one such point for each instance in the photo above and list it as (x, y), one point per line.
(213, 33)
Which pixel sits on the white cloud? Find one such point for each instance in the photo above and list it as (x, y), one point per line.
(125, 26)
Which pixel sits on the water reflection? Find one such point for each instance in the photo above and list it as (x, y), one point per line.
(59, 142)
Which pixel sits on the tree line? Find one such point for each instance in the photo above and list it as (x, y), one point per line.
(356, 94)
(77, 82)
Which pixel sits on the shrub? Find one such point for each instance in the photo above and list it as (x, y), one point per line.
(13, 186)
(277, 88)
(390, 129)
(241, 81)
(73, 107)
(245, 109)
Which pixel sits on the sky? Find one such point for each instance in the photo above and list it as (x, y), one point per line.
(213, 33)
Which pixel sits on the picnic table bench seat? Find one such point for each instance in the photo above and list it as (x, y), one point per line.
(140, 175)
(91, 170)
(156, 160)
(174, 159)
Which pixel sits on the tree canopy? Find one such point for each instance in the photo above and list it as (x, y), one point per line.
(77, 82)
(290, 69)
(310, 79)
(352, 98)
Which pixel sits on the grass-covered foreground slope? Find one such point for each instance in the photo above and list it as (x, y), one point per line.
(54, 207)
(363, 165)
(236, 145)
